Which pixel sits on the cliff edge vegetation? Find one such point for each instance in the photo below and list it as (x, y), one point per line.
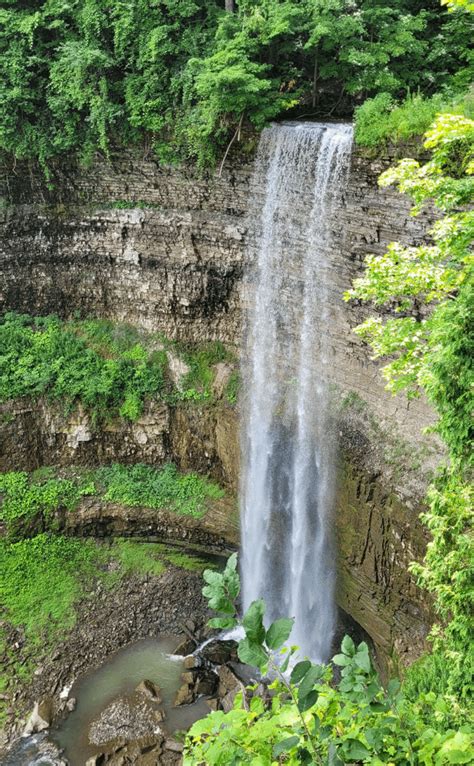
(185, 78)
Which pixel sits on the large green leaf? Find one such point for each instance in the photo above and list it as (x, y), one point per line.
(304, 703)
(285, 745)
(361, 657)
(253, 622)
(314, 674)
(252, 654)
(355, 750)
(348, 646)
(222, 623)
(299, 671)
(278, 632)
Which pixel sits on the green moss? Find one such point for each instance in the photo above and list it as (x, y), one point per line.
(42, 578)
(34, 499)
(137, 558)
(186, 561)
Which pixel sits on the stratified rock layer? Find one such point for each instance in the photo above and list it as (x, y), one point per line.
(166, 249)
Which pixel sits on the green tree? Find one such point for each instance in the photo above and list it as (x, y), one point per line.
(429, 339)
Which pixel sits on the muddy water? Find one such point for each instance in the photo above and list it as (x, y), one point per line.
(148, 659)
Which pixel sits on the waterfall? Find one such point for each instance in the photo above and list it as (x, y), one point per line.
(288, 447)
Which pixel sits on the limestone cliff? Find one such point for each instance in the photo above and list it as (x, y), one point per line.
(166, 249)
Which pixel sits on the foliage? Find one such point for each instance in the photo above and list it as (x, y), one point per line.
(29, 502)
(431, 346)
(184, 493)
(197, 383)
(109, 369)
(308, 718)
(26, 498)
(137, 558)
(80, 75)
(382, 118)
(46, 356)
(432, 349)
(42, 577)
(448, 573)
(233, 387)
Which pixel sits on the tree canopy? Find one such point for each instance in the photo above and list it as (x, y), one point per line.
(182, 75)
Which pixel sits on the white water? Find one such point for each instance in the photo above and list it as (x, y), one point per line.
(288, 447)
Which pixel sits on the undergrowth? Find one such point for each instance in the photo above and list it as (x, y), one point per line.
(33, 499)
(184, 493)
(381, 119)
(109, 369)
(44, 578)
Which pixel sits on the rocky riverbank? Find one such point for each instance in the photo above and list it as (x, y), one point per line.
(141, 606)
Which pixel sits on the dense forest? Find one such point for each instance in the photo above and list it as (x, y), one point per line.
(185, 76)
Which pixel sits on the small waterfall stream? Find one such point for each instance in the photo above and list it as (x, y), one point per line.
(288, 446)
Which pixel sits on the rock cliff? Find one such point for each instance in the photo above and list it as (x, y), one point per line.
(166, 249)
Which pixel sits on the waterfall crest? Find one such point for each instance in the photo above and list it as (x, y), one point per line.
(288, 449)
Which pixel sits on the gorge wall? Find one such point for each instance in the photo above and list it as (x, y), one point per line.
(165, 249)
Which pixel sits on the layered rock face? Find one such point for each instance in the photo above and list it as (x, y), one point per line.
(128, 241)
(166, 249)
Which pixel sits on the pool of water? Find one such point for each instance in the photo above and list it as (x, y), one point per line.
(148, 659)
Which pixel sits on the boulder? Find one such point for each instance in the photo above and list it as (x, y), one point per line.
(207, 683)
(174, 746)
(185, 695)
(228, 681)
(190, 662)
(185, 647)
(220, 652)
(149, 689)
(229, 686)
(40, 718)
(124, 720)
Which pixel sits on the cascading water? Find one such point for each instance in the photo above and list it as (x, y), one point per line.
(288, 447)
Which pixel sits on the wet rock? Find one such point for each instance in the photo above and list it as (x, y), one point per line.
(160, 715)
(174, 746)
(185, 695)
(124, 720)
(191, 662)
(229, 686)
(189, 677)
(40, 718)
(220, 652)
(71, 704)
(185, 647)
(228, 681)
(149, 689)
(206, 685)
